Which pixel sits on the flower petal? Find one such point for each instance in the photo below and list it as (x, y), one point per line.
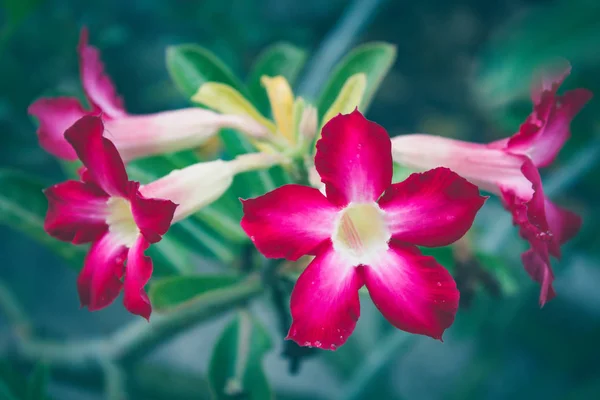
(98, 87)
(152, 216)
(412, 291)
(538, 267)
(169, 131)
(547, 129)
(434, 208)
(76, 212)
(137, 275)
(549, 79)
(98, 155)
(354, 159)
(289, 222)
(324, 303)
(563, 224)
(99, 282)
(488, 168)
(55, 116)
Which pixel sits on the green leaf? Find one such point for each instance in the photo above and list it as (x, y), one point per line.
(372, 59)
(235, 370)
(23, 207)
(12, 383)
(169, 256)
(169, 293)
(282, 59)
(526, 44)
(36, 389)
(5, 393)
(443, 255)
(349, 98)
(191, 66)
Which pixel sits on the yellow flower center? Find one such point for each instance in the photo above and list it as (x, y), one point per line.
(361, 232)
(120, 221)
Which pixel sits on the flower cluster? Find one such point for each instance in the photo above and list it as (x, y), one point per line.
(509, 169)
(361, 228)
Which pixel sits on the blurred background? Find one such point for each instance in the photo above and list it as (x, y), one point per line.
(463, 70)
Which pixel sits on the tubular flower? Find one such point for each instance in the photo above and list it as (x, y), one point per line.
(509, 169)
(134, 136)
(121, 218)
(364, 231)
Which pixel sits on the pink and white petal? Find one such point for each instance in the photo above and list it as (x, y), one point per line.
(137, 275)
(169, 131)
(537, 265)
(324, 303)
(289, 222)
(354, 159)
(99, 282)
(76, 212)
(563, 224)
(433, 208)
(97, 85)
(412, 291)
(99, 155)
(549, 79)
(488, 168)
(547, 129)
(153, 217)
(55, 116)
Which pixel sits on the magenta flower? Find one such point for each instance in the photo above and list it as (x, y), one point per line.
(509, 169)
(109, 211)
(134, 136)
(364, 231)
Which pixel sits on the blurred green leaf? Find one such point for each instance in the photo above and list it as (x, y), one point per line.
(528, 43)
(172, 292)
(23, 207)
(36, 389)
(283, 59)
(169, 257)
(17, 10)
(12, 383)
(349, 97)
(235, 369)
(443, 255)
(373, 59)
(510, 278)
(191, 66)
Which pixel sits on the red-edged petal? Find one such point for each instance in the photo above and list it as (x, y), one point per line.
(99, 155)
(76, 212)
(98, 87)
(288, 222)
(137, 275)
(547, 129)
(55, 116)
(564, 224)
(354, 159)
(324, 303)
(537, 265)
(412, 291)
(99, 282)
(152, 216)
(433, 208)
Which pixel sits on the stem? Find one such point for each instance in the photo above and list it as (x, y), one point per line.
(389, 349)
(336, 44)
(141, 337)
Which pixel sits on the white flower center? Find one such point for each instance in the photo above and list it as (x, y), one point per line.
(120, 221)
(360, 232)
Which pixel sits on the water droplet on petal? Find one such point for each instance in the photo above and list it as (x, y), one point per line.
(439, 283)
(333, 347)
(318, 344)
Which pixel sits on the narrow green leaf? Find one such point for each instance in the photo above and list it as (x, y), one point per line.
(191, 66)
(283, 59)
(169, 293)
(36, 389)
(372, 59)
(235, 370)
(169, 256)
(23, 207)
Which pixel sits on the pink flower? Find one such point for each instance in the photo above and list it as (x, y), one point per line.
(509, 168)
(109, 211)
(134, 136)
(364, 231)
